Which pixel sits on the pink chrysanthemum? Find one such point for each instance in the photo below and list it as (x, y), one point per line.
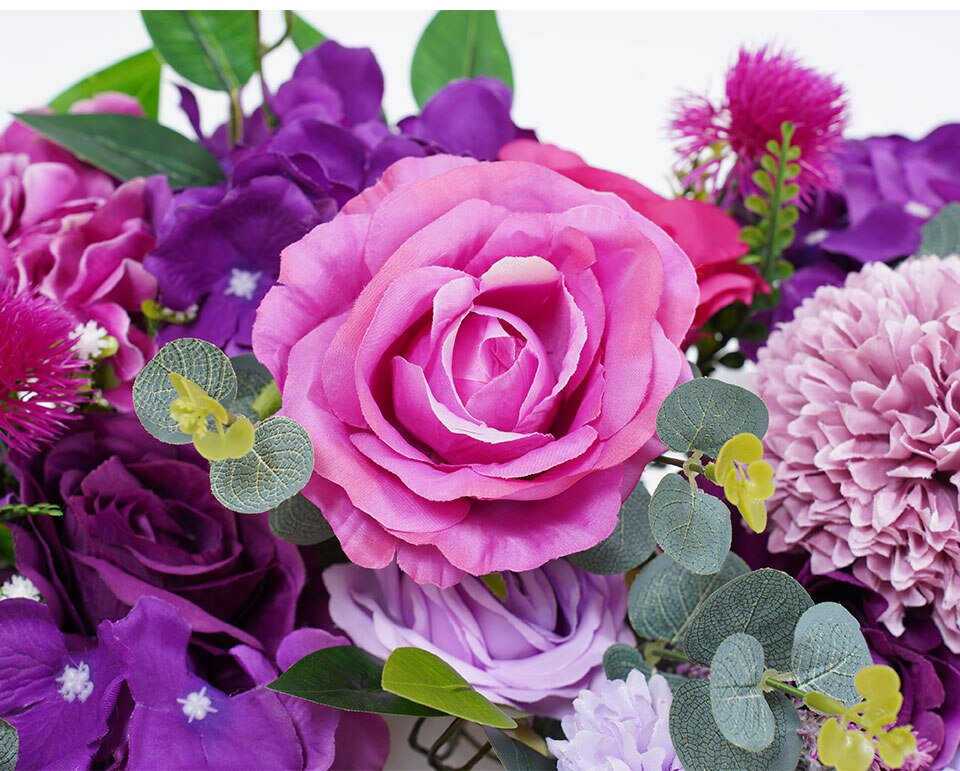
(40, 382)
(764, 89)
(863, 388)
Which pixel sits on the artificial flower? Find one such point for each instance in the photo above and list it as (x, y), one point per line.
(745, 478)
(478, 351)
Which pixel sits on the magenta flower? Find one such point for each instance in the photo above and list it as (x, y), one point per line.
(764, 89)
(40, 381)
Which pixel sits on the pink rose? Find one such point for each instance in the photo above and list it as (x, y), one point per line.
(479, 351)
(709, 236)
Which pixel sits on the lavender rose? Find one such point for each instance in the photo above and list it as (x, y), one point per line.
(535, 651)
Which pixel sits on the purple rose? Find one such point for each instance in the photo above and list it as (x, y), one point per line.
(535, 651)
(140, 520)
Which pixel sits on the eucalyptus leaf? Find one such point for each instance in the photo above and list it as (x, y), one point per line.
(664, 597)
(458, 44)
(736, 699)
(619, 660)
(137, 75)
(941, 235)
(425, 678)
(630, 543)
(828, 651)
(9, 746)
(277, 468)
(348, 678)
(703, 413)
(304, 35)
(516, 756)
(691, 526)
(214, 49)
(128, 146)
(153, 392)
(298, 521)
(252, 378)
(701, 746)
(765, 604)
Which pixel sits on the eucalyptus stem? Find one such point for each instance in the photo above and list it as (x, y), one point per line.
(668, 461)
(772, 682)
(670, 655)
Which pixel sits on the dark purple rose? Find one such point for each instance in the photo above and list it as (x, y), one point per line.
(140, 520)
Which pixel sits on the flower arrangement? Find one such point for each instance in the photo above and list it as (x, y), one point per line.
(321, 421)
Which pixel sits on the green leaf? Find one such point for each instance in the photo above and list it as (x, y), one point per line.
(304, 35)
(941, 235)
(628, 545)
(739, 709)
(458, 44)
(9, 746)
(214, 49)
(137, 75)
(17, 510)
(828, 651)
(664, 597)
(348, 678)
(769, 164)
(790, 191)
(762, 180)
(702, 414)
(427, 679)
(298, 521)
(127, 146)
(692, 527)
(757, 205)
(701, 746)
(619, 660)
(153, 393)
(252, 378)
(792, 171)
(7, 554)
(516, 756)
(765, 604)
(277, 468)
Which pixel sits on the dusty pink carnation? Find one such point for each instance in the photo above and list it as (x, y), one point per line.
(863, 388)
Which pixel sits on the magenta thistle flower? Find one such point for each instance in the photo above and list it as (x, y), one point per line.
(40, 381)
(764, 89)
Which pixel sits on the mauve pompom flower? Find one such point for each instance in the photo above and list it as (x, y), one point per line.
(619, 725)
(535, 650)
(478, 351)
(863, 388)
(41, 383)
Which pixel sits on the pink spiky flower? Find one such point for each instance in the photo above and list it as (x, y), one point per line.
(41, 382)
(764, 89)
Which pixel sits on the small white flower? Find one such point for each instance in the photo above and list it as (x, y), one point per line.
(197, 705)
(19, 587)
(90, 340)
(917, 209)
(243, 283)
(75, 683)
(814, 237)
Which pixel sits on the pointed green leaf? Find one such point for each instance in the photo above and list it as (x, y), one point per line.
(348, 678)
(127, 146)
(304, 35)
(252, 378)
(298, 521)
(692, 527)
(153, 393)
(458, 44)
(425, 678)
(137, 75)
(739, 709)
(765, 604)
(515, 756)
(214, 49)
(628, 545)
(828, 651)
(941, 235)
(9, 746)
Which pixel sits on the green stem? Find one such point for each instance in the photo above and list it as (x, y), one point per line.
(262, 50)
(772, 682)
(666, 653)
(668, 461)
(236, 118)
(775, 203)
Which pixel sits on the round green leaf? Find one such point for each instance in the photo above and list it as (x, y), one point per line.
(690, 526)
(703, 413)
(664, 597)
(941, 235)
(828, 651)
(153, 393)
(628, 545)
(298, 521)
(277, 468)
(619, 660)
(252, 378)
(765, 604)
(701, 746)
(9, 746)
(739, 709)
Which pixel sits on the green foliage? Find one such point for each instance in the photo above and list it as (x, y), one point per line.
(766, 604)
(214, 49)
(828, 651)
(619, 660)
(127, 146)
(703, 414)
(701, 746)
(7, 554)
(17, 510)
(630, 543)
(692, 527)
(277, 468)
(515, 756)
(9, 746)
(304, 35)
(348, 678)
(153, 391)
(736, 699)
(664, 597)
(252, 378)
(425, 678)
(137, 75)
(298, 521)
(458, 44)
(941, 235)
